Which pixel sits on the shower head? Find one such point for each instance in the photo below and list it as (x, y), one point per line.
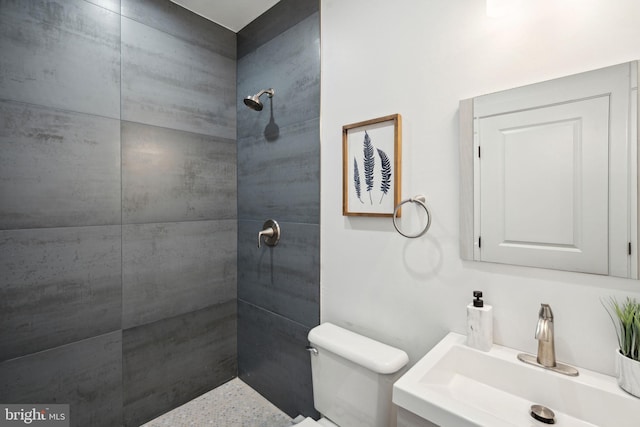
(254, 103)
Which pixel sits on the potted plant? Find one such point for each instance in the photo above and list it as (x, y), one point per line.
(626, 319)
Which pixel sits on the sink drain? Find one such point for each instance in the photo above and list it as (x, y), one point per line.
(543, 414)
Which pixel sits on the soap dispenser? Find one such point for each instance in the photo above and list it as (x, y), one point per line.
(479, 323)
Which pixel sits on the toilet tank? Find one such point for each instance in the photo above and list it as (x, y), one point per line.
(353, 377)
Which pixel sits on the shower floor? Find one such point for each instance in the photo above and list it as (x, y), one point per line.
(233, 404)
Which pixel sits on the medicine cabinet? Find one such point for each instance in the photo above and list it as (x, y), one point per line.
(549, 174)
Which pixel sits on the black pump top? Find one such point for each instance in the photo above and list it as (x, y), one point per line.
(477, 302)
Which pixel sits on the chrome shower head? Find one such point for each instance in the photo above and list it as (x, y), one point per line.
(254, 103)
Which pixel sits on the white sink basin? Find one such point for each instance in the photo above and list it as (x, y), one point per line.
(456, 386)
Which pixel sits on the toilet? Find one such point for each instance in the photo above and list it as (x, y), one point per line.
(353, 378)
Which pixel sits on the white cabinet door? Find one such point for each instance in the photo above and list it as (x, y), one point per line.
(544, 180)
(556, 185)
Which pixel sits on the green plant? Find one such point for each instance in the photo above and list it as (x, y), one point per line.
(626, 319)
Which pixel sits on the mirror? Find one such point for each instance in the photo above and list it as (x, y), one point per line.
(549, 174)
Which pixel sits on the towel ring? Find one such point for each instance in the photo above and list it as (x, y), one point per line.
(420, 200)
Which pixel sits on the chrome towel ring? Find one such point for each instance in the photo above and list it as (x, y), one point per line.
(420, 200)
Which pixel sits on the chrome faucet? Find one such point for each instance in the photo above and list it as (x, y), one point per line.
(544, 335)
(546, 348)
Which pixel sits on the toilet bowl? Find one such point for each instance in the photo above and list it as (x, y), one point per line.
(353, 378)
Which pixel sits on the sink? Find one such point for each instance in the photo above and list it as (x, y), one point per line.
(457, 386)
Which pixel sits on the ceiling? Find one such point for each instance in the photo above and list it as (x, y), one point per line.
(232, 14)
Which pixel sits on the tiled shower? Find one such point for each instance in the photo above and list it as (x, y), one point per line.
(279, 178)
(132, 188)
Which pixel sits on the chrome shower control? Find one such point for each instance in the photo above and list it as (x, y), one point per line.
(271, 232)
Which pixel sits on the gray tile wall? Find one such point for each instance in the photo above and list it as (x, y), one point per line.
(170, 175)
(279, 178)
(118, 217)
(58, 168)
(62, 54)
(170, 269)
(59, 286)
(168, 81)
(86, 374)
(174, 360)
(273, 359)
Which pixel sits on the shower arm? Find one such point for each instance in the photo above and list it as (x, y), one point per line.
(269, 92)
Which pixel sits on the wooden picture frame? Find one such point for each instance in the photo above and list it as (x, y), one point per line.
(371, 167)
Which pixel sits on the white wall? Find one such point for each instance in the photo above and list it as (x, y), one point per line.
(419, 58)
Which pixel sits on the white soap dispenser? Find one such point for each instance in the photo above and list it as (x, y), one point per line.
(479, 323)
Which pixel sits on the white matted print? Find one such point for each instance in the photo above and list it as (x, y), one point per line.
(371, 152)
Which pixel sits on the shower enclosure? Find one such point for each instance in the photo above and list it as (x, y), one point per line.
(123, 291)
(279, 178)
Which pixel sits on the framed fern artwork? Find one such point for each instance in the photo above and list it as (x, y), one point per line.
(371, 154)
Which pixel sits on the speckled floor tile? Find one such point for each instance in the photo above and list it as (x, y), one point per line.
(233, 404)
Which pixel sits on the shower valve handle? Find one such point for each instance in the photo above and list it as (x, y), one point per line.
(271, 232)
(267, 232)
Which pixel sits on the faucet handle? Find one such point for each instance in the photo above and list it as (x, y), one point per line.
(271, 231)
(266, 232)
(544, 328)
(545, 312)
